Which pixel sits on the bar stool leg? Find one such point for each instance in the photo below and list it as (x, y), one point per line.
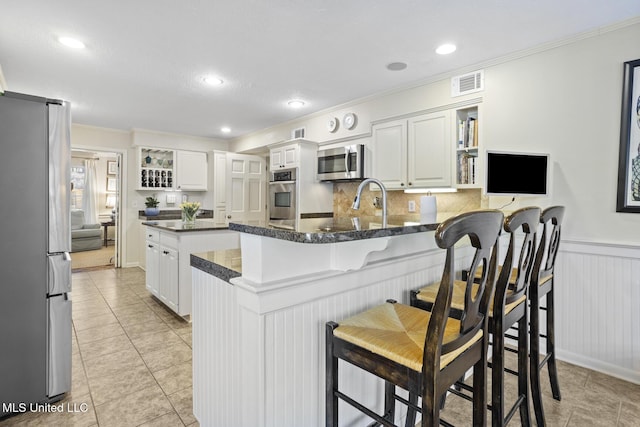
(534, 336)
(551, 350)
(497, 376)
(389, 401)
(410, 421)
(331, 400)
(523, 366)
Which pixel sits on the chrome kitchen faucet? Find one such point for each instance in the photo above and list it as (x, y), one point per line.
(356, 200)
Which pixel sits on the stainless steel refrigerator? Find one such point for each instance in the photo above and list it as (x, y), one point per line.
(35, 240)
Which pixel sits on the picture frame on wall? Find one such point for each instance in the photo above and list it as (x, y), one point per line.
(112, 168)
(111, 184)
(629, 157)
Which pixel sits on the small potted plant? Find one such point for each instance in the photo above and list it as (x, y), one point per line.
(151, 208)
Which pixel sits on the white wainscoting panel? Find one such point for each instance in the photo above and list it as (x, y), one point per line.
(598, 307)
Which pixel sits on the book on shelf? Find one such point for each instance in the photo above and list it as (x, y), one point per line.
(466, 173)
(468, 133)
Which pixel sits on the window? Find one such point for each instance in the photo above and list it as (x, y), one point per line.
(77, 186)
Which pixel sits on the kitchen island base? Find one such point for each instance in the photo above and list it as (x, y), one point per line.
(259, 348)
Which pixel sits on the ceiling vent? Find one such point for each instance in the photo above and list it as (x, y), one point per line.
(298, 133)
(467, 83)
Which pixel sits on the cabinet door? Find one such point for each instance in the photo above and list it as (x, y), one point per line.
(169, 281)
(153, 267)
(276, 159)
(429, 150)
(291, 156)
(389, 153)
(191, 170)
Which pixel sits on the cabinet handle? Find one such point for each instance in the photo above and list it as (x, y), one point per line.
(402, 184)
(151, 246)
(228, 216)
(410, 184)
(165, 252)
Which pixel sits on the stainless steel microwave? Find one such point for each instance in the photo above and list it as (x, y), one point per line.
(343, 163)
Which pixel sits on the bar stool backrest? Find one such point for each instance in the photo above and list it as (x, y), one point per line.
(526, 219)
(551, 220)
(483, 228)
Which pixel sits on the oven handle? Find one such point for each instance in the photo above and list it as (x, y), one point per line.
(281, 182)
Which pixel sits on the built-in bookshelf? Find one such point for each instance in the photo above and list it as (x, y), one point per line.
(467, 136)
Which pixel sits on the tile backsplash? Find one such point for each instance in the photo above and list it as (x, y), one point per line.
(398, 201)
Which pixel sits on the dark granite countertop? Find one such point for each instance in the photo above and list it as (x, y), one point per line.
(344, 229)
(179, 226)
(174, 214)
(223, 264)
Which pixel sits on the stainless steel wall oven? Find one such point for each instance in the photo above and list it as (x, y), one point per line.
(282, 198)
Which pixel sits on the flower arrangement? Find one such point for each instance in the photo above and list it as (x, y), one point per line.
(189, 210)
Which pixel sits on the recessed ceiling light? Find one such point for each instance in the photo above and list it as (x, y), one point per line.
(71, 42)
(396, 66)
(225, 129)
(213, 81)
(296, 103)
(446, 49)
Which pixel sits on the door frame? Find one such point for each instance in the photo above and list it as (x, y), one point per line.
(121, 212)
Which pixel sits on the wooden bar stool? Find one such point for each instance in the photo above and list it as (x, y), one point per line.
(423, 352)
(508, 306)
(542, 285)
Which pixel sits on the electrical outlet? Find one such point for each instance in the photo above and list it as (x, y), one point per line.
(412, 205)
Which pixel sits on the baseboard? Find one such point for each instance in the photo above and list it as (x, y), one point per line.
(133, 264)
(598, 365)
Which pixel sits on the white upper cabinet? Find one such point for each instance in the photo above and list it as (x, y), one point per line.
(191, 171)
(414, 152)
(284, 157)
(389, 153)
(429, 150)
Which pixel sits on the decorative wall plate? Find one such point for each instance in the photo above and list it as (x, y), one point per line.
(349, 121)
(332, 124)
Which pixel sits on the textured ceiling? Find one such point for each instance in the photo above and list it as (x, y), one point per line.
(144, 59)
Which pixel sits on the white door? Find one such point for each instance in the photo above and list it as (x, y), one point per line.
(246, 188)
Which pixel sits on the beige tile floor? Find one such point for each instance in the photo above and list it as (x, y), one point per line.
(589, 398)
(132, 367)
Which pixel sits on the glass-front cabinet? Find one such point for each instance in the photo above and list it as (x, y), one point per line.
(156, 169)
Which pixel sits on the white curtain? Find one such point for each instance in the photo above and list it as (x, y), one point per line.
(90, 193)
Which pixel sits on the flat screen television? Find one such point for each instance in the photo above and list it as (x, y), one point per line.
(517, 174)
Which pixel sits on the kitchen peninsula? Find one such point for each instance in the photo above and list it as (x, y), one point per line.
(259, 330)
(168, 245)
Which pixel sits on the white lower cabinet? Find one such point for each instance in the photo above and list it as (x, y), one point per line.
(168, 265)
(153, 267)
(169, 277)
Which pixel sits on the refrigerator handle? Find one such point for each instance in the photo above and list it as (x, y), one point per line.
(67, 256)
